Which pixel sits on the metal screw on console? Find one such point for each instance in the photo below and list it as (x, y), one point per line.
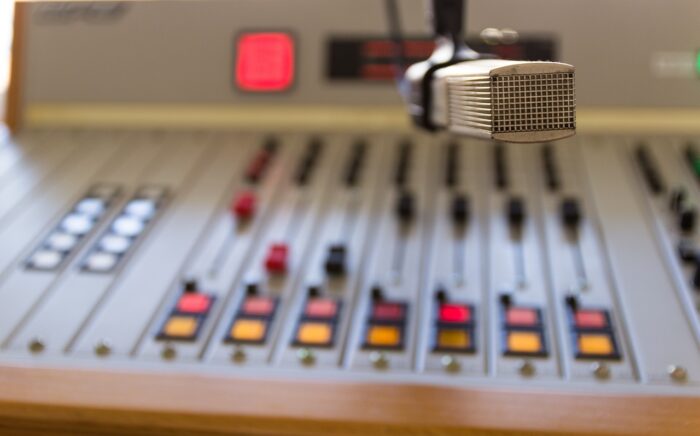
(168, 352)
(103, 348)
(379, 360)
(601, 370)
(677, 373)
(306, 356)
(527, 369)
(36, 345)
(450, 364)
(238, 355)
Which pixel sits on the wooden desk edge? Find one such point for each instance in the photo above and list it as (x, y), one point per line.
(152, 403)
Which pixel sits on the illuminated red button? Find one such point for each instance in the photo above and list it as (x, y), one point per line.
(321, 308)
(455, 313)
(590, 319)
(388, 312)
(194, 303)
(258, 306)
(265, 62)
(244, 205)
(522, 317)
(276, 259)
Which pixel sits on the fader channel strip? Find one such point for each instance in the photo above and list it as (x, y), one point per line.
(382, 255)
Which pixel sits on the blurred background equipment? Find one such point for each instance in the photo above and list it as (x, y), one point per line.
(216, 217)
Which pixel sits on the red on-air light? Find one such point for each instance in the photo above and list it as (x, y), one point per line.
(264, 62)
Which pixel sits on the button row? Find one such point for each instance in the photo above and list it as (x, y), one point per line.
(454, 327)
(83, 217)
(253, 319)
(318, 322)
(386, 324)
(124, 230)
(592, 332)
(185, 320)
(523, 330)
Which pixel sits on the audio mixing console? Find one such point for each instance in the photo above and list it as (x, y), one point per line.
(450, 260)
(215, 218)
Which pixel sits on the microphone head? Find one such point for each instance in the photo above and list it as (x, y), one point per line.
(509, 101)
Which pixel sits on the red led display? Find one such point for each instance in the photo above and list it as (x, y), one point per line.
(264, 62)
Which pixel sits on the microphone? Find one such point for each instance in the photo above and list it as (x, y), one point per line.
(509, 101)
(478, 95)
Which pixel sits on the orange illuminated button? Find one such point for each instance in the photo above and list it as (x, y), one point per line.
(596, 345)
(524, 343)
(246, 330)
(454, 339)
(244, 205)
(384, 336)
(321, 308)
(194, 303)
(522, 317)
(591, 319)
(180, 327)
(317, 334)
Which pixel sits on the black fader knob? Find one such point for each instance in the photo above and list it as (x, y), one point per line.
(460, 209)
(570, 212)
(687, 218)
(335, 260)
(515, 211)
(405, 207)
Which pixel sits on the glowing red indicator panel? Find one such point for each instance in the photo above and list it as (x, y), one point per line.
(264, 62)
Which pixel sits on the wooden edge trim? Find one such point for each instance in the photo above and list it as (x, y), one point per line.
(186, 404)
(14, 103)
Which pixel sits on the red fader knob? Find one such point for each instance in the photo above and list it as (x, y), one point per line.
(244, 205)
(276, 259)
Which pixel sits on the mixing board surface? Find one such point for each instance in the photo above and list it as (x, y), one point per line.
(381, 257)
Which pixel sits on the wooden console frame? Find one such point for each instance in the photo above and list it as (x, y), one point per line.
(53, 401)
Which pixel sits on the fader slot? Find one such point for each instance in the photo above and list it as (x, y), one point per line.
(250, 324)
(320, 313)
(235, 216)
(384, 325)
(244, 205)
(594, 342)
(521, 317)
(452, 336)
(208, 170)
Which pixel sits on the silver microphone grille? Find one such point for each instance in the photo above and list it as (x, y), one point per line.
(511, 101)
